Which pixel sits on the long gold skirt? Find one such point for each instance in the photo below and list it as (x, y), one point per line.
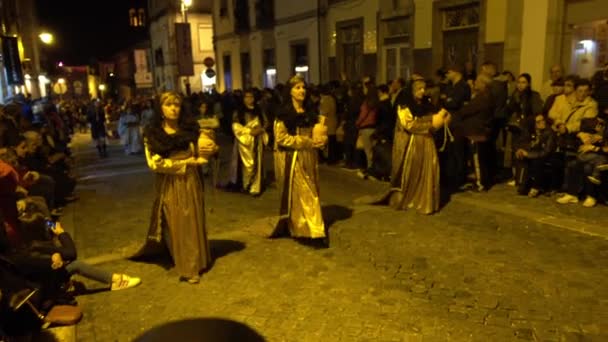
(298, 179)
(414, 177)
(178, 222)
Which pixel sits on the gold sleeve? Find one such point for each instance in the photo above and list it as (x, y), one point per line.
(415, 125)
(283, 138)
(159, 164)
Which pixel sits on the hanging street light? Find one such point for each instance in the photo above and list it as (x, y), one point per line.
(46, 38)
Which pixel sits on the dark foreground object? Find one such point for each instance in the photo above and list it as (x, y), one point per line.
(201, 329)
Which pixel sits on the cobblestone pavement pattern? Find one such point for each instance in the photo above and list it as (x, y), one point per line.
(464, 274)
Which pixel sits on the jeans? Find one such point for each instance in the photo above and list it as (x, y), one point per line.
(89, 271)
(368, 146)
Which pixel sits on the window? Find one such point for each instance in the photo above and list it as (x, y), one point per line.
(227, 72)
(350, 48)
(241, 16)
(461, 17)
(132, 17)
(158, 57)
(264, 14)
(397, 62)
(299, 59)
(205, 37)
(141, 17)
(223, 8)
(270, 71)
(246, 70)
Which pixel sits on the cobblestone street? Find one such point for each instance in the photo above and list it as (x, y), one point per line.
(488, 267)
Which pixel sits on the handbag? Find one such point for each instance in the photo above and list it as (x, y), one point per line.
(359, 144)
(340, 133)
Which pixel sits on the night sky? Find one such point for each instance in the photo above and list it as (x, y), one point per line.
(86, 29)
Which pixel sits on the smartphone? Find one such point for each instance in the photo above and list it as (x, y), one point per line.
(50, 226)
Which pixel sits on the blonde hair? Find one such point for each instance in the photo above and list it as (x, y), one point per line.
(170, 95)
(295, 79)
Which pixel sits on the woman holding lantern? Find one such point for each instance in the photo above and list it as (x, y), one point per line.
(299, 132)
(175, 148)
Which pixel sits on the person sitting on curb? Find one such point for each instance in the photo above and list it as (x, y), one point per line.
(56, 245)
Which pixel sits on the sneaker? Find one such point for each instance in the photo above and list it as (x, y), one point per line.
(125, 282)
(533, 193)
(594, 180)
(361, 174)
(567, 198)
(589, 202)
(511, 182)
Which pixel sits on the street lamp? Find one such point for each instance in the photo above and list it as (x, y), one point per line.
(46, 38)
(185, 5)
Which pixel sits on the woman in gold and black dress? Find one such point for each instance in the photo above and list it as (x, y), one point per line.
(175, 149)
(415, 168)
(299, 132)
(250, 138)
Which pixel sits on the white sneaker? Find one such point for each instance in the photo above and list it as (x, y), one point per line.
(589, 202)
(125, 282)
(567, 198)
(533, 193)
(511, 182)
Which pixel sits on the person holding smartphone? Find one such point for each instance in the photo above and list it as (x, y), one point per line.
(61, 250)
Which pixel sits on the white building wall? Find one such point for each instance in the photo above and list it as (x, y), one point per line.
(256, 53)
(162, 35)
(289, 8)
(423, 24)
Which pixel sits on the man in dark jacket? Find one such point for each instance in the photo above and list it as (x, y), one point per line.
(452, 153)
(532, 151)
(500, 93)
(473, 123)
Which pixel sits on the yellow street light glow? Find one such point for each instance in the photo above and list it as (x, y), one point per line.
(102, 87)
(46, 38)
(61, 80)
(187, 3)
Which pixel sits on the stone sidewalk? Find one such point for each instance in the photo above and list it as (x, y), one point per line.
(488, 267)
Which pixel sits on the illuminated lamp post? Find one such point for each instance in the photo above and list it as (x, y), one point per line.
(185, 4)
(47, 40)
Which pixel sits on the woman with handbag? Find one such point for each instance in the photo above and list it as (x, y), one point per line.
(366, 123)
(522, 107)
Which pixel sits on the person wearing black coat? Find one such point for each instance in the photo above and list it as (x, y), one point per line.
(531, 153)
(473, 123)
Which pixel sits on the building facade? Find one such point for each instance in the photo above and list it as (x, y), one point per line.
(168, 57)
(347, 39)
(20, 68)
(245, 44)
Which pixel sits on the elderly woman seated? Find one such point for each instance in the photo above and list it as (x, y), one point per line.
(583, 173)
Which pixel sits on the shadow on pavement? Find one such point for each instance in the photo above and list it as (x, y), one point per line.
(201, 329)
(221, 248)
(334, 213)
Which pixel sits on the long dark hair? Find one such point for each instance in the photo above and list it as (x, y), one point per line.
(161, 143)
(288, 114)
(418, 108)
(256, 111)
(525, 97)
